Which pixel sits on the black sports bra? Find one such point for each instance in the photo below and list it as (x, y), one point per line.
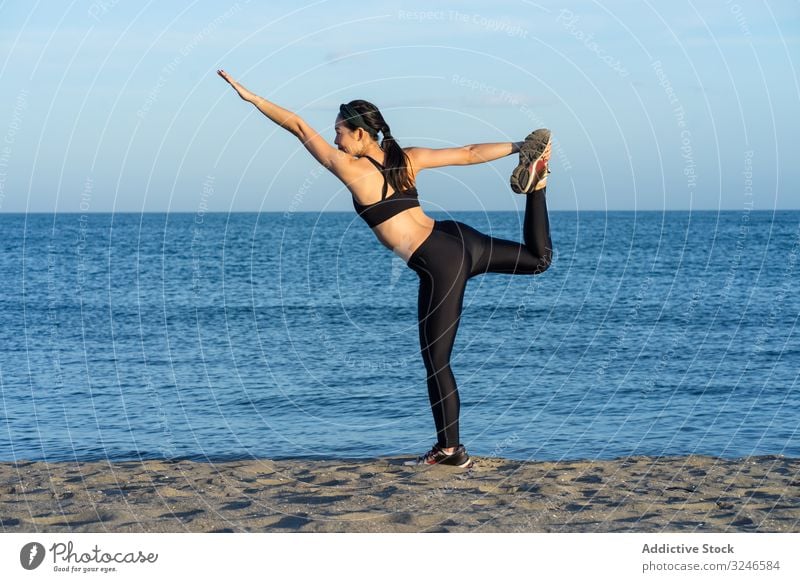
(385, 208)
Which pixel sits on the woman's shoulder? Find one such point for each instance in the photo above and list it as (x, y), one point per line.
(412, 150)
(413, 155)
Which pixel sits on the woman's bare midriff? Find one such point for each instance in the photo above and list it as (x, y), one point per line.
(404, 232)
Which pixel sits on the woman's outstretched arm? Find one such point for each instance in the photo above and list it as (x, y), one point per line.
(470, 154)
(283, 117)
(326, 154)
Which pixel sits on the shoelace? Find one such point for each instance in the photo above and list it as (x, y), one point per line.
(431, 454)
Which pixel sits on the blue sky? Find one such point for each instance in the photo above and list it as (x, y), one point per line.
(115, 106)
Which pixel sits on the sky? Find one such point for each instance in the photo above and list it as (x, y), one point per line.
(115, 106)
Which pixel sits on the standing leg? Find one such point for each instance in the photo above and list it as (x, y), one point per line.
(441, 296)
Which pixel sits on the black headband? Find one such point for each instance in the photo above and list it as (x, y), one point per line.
(351, 116)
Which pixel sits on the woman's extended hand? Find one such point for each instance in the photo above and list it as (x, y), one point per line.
(277, 114)
(243, 93)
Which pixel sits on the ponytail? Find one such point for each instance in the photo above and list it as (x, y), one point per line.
(397, 162)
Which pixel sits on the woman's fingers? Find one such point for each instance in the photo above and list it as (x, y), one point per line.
(243, 93)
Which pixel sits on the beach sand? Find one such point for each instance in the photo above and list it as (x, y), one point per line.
(635, 494)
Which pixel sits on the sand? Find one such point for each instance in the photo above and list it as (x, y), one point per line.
(635, 494)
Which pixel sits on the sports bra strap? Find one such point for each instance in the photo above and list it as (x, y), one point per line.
(374, 161)
(381, 169)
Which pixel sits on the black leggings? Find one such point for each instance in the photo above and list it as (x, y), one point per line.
(453, 253)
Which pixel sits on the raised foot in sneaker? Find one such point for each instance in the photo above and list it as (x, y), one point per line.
(534, 155)
(436, 456)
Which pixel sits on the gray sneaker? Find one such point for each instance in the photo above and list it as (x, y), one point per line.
(534, 156)
(436, 456)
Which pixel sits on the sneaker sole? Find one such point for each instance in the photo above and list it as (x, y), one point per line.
(465, 465)
(468, 464)
(530, 153)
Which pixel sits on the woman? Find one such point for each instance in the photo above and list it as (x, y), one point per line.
(445, 254)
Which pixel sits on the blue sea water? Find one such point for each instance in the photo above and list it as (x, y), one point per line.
(218, 336)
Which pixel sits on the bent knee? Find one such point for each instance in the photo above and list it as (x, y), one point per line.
(544, 262)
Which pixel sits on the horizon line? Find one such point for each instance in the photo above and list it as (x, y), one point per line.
(194, 212)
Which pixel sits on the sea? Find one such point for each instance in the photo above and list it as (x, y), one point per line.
(221, 336)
